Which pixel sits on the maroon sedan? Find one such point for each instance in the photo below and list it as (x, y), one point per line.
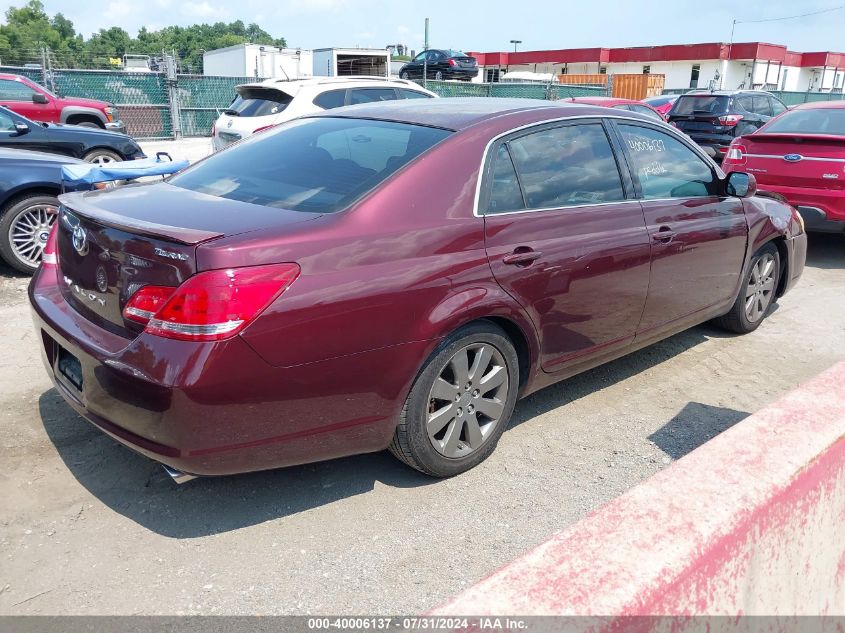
(393, 275)
(620, 104)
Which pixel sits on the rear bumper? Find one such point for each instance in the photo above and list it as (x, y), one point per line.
(822, 210)
(219, 408)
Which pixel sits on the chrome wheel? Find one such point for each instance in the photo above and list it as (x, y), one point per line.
(467, 400)
(29, 231)
(761, 287)
(101, 159)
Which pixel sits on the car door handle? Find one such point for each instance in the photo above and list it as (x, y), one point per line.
(522, 257)
(664, 234)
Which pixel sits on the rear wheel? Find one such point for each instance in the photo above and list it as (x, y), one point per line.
(460, 403)
(438, 76)
(101, 156)
(756, 294)
(24, 228)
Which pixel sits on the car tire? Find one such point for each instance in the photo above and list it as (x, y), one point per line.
(37, 221)
(102, 156)
(466, 415)
(90, 124)
(404, 75)
(756, 294)
(438, 76)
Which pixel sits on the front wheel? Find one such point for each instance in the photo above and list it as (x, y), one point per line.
(438, 76)
(404, 75)
(756, 294)
(460, 403)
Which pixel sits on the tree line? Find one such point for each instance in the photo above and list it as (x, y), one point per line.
(29, 32)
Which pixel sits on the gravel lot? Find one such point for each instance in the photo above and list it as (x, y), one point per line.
(88, 527)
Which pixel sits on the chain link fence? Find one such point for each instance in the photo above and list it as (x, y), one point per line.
(144, 99)
(548, 92)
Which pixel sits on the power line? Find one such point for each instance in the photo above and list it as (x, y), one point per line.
(791, 17)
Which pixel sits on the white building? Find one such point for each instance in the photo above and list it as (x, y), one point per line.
(720, 65)
(258, 60)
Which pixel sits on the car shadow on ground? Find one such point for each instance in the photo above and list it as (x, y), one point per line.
(826, 251)
(694, 425)
(138, 488)
(7, 272)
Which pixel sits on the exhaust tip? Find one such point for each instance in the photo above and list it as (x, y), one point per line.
(177, 475)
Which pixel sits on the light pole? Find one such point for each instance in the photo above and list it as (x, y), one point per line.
(515, 43)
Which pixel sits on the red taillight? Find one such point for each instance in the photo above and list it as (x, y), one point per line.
(212, 305)
(452, 62)
(730, 120)
(145, 303)
(264, 127)
(735, 155)
(50, 254)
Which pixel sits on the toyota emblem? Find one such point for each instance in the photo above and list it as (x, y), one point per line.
(80, 240)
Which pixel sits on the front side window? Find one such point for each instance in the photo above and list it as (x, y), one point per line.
(318, 165)
(6, 123)
(567, 166)
(15, 91)
(368, 95)
(412, 94)
(665, 167)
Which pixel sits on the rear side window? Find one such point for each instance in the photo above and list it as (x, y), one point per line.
(665, 167)
(318, 165)
(762, 105)
(777, 107)
(331, 99)
(505, 194)
(701, 104)
(567, 166)
(368, 95)
(252, 102)
(646, 111)
(817, 121)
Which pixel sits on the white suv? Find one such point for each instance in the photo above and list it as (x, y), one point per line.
(260, 105)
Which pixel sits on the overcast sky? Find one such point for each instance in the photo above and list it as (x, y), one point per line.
(480, 26)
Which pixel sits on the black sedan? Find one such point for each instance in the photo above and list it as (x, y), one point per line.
(440, 64)
(89, 144)
(29, 184)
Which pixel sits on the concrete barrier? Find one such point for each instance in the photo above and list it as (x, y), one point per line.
(752, 522)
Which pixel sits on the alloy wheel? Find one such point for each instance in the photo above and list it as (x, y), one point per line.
(761, 288)
(29, 231)
(102, 159)
(467, 400)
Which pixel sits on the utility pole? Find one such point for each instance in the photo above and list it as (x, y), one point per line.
(425, 59)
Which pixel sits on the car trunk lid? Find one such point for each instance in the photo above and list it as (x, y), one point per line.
(795, 160)
(699, 113)
(112, 244)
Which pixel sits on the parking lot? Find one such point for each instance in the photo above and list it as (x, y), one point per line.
(88, 527)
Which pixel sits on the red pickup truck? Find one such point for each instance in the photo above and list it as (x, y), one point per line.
(35, 102)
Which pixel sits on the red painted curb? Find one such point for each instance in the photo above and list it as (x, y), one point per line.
(752, 522)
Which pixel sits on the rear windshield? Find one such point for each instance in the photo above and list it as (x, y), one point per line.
(318, 165)
(701, 104)
(818, 121)
(258, 102)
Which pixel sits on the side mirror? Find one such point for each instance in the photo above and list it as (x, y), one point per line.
(21, 128)
(38, 97)
(740, 184)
